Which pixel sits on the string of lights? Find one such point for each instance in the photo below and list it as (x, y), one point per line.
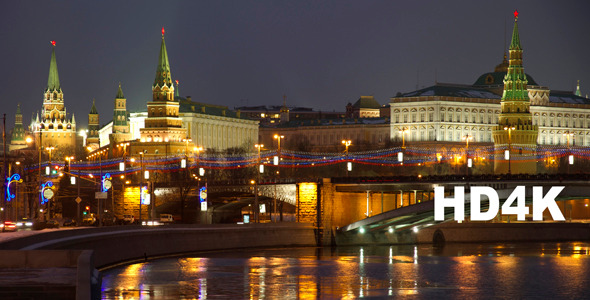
(414, 156)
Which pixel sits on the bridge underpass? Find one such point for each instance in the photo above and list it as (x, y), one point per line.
(229, 203)
(343, 205)
(403, 224)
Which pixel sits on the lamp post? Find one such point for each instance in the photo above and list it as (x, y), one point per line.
(570, 157)
(123, 168)
(141, 185)
(403, 132)
(278, 137)
(256, 208)
(346, 144)
(48, 205)
(277, 161)
(509, 154)
(467, 138)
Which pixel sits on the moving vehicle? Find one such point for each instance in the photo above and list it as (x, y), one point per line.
(166, 218)
(8, 226)
(24, 223)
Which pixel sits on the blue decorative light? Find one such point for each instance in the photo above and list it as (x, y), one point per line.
(44, 186)
(11, 179)
(203, 194)
(106, 179)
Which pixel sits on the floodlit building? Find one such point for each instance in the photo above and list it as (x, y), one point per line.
(53, 128)
(444, 116)
(173, 125)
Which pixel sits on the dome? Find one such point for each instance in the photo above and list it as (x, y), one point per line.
(497, 78)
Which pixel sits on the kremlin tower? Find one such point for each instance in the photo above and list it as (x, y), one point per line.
(93, 141)
(121, 128)
(54, 129)
(17, 140)
(163, 123)
(515, 136)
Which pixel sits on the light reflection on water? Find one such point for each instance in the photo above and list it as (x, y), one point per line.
(549, 270)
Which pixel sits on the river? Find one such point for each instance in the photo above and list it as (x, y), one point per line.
(456, 271)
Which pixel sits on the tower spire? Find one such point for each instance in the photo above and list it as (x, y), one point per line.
(53, 80)
(163, 76)
(578, 92)
(120, 92)
(176, 91)
(93, 108)
(515, 129)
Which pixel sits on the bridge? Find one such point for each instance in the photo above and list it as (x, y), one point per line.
(378, 205)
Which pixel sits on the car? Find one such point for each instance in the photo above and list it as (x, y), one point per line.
(166, 218)
(8, 226)
(128, 219)
(24, 223)
(69, 222)
(52, 224)
(89, 220)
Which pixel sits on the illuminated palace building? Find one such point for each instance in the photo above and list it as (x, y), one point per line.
(53, 128)
(502, 109)
(173, 125)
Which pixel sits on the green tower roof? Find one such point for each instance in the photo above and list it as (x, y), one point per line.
(515, 81)
(120, 93)
(53, 80)
(93, 110)
(18, 109)
(515, 43)
(163, 76)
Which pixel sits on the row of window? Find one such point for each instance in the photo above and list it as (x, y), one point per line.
(447, 117)
(489, 119)
(451, 135)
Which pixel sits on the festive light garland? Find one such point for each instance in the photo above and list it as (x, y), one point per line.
(413, 156)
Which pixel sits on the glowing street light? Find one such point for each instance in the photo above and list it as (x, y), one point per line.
(403, 132)
(507, 154)
(277, 158)
(467, 138)
(256, 208)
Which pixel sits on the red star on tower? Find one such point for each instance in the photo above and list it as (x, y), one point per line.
(515, 14)
(53, 43)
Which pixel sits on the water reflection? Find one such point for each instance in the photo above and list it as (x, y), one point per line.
(548, 270)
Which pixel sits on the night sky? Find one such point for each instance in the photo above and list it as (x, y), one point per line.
(321, 54)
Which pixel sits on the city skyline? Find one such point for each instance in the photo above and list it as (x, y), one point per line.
(239, 54)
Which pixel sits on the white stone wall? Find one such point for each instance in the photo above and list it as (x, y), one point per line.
(449, 121)
(446, 121)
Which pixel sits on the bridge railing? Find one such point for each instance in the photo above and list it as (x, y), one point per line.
(447, 178)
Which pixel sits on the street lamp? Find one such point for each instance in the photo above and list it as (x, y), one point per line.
(346, 144)
(467, 138)
(277, 158)
(141, 185)
(48, 169)
(403, 132)
(48, 172)
(570, 157)
(256, 220)
(507, 154)
(198, 150)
